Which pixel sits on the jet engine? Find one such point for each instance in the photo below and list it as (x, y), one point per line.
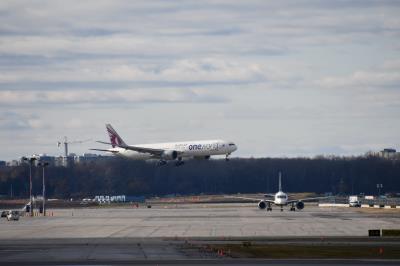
(300, 205)
(262, 205)
(169, 155)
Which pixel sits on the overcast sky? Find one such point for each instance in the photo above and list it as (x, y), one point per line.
(279, 78)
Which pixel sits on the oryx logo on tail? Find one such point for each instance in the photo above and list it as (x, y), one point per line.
(115, 139)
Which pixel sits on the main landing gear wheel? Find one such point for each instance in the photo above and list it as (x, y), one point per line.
(161, 163)
(269, 209)
(227, 157)
(179, 162)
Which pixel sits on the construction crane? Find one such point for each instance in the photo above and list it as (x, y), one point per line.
(66, 143)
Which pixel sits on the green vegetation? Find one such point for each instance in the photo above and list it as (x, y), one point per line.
(119, 176)
(390, 232)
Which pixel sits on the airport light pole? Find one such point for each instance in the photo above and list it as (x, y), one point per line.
(43, 164)
(31, 161)
(379, 187)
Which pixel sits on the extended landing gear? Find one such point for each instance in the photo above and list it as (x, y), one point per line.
(161, 163)
(269, 208)
(179, 162)
(227, 157)
(292, 208)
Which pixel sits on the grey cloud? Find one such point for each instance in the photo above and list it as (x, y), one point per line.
(188, 18)
(76, 97)
(14, 121)
(188, 70)
(266, 64)
(382, 76)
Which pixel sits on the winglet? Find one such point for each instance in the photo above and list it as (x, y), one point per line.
(115, 139)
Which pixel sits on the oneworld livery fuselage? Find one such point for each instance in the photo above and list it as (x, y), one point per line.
(164, 152)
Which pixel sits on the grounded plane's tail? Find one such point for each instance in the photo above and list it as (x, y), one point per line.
(115, 139)
(280, 182)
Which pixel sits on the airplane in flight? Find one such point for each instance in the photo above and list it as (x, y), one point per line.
(281, 199)
(170, 151)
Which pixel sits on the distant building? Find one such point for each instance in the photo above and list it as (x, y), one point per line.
(86, 157)
(58, 161)
(44, 158)
(108, 198)
(63, 161)
(388, 153)
(13, 163)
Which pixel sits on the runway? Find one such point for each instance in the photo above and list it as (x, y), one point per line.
(177, 233)
(199, 220)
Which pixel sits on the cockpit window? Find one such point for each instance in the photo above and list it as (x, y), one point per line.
(231, 144)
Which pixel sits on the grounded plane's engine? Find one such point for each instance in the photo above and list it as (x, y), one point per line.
(262, 205)
(300, 205)
(169, 155)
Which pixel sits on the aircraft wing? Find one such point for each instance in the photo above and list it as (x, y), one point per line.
(251, 199)
(269, 195)
(157, 152)
(153, 151)
(103, 142)
(307, 199)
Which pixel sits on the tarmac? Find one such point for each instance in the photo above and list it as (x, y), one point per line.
(199, 220)
(162, 233)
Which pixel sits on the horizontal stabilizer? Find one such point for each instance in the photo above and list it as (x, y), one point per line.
(103, 142)
(104, 150)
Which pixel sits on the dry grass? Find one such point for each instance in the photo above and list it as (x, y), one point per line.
(309, 251)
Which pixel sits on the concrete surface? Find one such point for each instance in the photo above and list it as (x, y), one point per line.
(77, 250)
(199, 220)
(171, 234)
(119, 251)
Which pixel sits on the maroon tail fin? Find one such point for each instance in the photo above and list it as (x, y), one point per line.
(115, 139)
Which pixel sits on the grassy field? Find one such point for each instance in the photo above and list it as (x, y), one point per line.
(307, 251)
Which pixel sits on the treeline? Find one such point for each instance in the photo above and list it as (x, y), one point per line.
(119, 176)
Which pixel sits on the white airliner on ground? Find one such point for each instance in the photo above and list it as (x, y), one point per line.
(167, 151)
(281, 199)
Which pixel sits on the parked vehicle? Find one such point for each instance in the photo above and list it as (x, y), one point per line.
(354, 201)
(4, 214)
(13, 216)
